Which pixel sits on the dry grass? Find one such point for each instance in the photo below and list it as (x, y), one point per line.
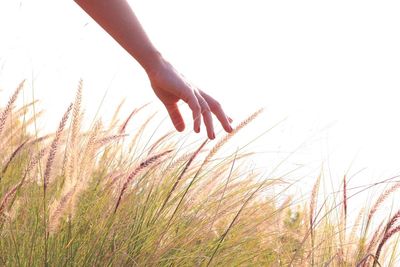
(101, 196)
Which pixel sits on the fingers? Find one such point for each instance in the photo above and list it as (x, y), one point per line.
(216, 108)
(202, 105)
(194, 105)
(206, 113)
(176, 117)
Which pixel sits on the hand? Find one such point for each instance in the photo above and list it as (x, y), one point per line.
(170, 87)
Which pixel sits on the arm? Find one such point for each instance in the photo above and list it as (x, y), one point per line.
(117, 18)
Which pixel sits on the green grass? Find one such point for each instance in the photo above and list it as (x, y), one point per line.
(100, 197)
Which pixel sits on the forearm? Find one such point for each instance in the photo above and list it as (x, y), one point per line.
(117, 18)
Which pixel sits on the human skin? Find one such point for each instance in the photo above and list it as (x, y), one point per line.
(118, 19)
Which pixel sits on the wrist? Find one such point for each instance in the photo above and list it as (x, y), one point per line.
(158, 65)
(151, 62)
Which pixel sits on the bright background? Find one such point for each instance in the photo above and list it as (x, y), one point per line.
(328, 69)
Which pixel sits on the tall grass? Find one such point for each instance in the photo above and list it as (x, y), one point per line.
(99, 197)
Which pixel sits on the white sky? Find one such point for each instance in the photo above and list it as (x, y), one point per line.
(331, 67)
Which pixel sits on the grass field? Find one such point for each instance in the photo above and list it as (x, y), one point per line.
(101, 197)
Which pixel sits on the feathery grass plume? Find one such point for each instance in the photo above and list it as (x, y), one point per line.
(24, 109)
(7, 198)
(387, 233)
(59, 210)
(380, 200)
(34, 161)
(356, 225)
(76, 113)
(67, 165)
(4, 114)
(53, 148)
(392, 221)
(228, 136)
(13, 155)
(213, 151)
(148, 162)
(46, 178)
(105, 140)
(76, 116)
(123, 126)
(71, 148)
(82, 167)
(313, 204)
(84, 153)
(137, 136)
(111, 178)
(88, 155)
(39, 139)
(378, 234)
(155, 144)
(183, 159)
(385, 238)
(212, 223)
(115, 118)
(180, 177)
(9, 134)
(12, 212)
(314, 198)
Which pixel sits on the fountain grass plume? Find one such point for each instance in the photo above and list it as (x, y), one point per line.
(123, 126)
(180, 176)
(312, 219)
(6, 199)
(7, 110)
(108, 139)
(59, 210)
(146, 206)
(235, 130)
(148, 162)
(53, 148)
(13, 155)
(380, 200)
(385, 238)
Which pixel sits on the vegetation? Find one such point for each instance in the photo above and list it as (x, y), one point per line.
(99, 197)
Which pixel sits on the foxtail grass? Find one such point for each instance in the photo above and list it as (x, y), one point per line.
(109, 196)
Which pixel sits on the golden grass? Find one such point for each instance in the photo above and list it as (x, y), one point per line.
(105, 197)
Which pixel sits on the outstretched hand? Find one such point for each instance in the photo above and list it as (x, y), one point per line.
(170, 87)
(119, 20)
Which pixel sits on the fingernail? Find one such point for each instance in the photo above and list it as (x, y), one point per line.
(213, 136)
